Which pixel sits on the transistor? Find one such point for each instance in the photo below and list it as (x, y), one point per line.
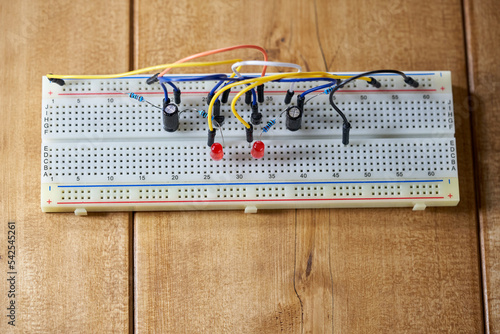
(219, 119)
(256, 116)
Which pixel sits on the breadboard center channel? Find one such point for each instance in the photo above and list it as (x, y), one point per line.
(103, 151)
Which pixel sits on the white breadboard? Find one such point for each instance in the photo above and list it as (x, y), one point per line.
(103, 151)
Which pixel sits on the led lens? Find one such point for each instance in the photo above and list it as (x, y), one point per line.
(216, 152)
(258, 150)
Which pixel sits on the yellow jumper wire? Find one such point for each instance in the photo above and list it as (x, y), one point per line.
(254, 82)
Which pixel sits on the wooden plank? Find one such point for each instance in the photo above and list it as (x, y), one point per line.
(215, 272)
(313, 272)
(482, 25)
(364, 270)
(407, 271)
(72, 272)
(396, 269)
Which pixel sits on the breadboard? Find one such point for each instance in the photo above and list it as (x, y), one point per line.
(103, 151)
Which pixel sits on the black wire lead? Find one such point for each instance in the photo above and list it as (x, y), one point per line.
(346, 126)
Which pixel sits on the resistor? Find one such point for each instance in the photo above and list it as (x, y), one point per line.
(142, 99)
(328, 90)
(203, 113)
(337, 82)
(269, 125)
(136, 97)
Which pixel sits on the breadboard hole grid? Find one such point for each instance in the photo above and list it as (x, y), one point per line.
(373, 113)
(249, 192)
(103, 140)
(372, 117)
(389, 81)
(319, 159)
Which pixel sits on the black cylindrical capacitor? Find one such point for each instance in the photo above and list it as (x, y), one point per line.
(170, 116)
(293, 118)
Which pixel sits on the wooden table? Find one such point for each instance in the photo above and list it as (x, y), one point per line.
(294, 271)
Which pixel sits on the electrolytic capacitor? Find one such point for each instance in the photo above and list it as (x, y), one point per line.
(170, 117)
(293, 118)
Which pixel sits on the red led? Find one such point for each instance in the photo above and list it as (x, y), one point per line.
(216, 152)
(258, 150)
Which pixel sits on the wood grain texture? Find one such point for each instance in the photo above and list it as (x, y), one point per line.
(407, 271)
(484, 70)
(361, 271)
(72, 272)
(199, 272)
(313, 272)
